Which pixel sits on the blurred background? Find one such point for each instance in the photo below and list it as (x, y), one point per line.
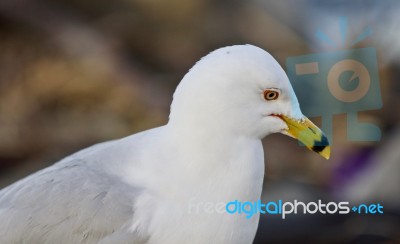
(77, 72)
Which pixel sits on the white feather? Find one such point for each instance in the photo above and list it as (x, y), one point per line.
(139, 189)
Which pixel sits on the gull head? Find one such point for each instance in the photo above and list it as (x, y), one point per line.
(242, 91)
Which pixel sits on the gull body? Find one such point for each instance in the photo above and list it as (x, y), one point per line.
(152, 187)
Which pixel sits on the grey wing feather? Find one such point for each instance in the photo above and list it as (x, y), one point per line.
(68, 203)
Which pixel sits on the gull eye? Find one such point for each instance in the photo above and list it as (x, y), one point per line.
(271, 95)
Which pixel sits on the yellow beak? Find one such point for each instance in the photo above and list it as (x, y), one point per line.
(309, 134)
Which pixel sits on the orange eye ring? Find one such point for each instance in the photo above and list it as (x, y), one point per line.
(271, 95)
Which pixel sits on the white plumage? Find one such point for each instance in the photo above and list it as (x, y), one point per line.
(137, 189)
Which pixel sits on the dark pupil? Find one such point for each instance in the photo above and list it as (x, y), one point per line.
(271, 95)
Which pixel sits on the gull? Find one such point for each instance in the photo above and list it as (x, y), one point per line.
(152, 187)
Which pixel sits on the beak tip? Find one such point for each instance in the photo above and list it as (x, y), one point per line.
(325, 152)
(309, 134)
(326, 156)
(322, 147)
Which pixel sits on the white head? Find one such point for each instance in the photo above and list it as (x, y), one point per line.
(242, 90)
